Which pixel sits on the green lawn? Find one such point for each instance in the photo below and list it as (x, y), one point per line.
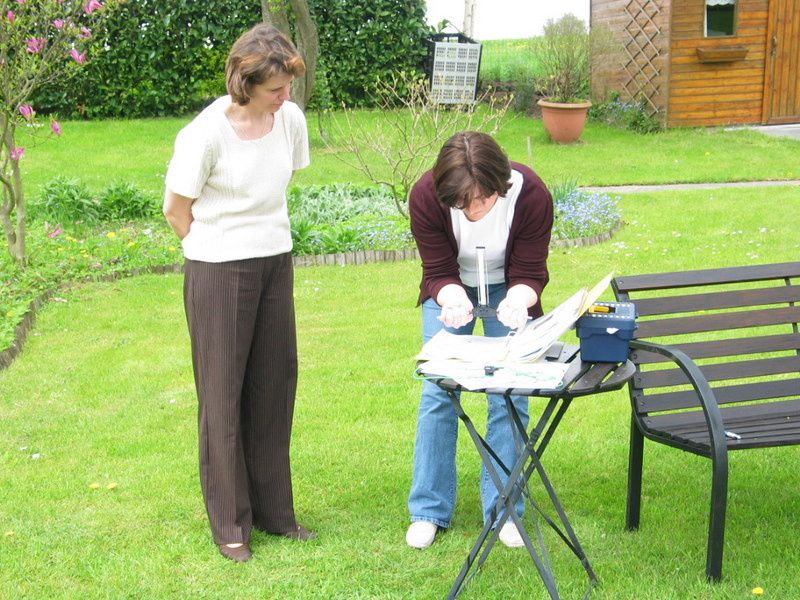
(509, 60)
(103, 394)
(137, 151)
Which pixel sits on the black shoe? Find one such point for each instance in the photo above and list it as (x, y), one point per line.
(301, 534)
(240, 554)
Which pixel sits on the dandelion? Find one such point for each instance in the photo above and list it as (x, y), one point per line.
(111, 235)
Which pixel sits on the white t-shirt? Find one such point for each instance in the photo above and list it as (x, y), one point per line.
(491, 232)
(240, 186)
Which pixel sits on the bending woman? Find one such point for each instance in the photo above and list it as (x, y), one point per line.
(472, 197)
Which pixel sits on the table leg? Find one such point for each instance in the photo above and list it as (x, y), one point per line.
(506, 501)
(545, 431)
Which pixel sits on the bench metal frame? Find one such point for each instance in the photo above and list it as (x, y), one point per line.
(736, 392)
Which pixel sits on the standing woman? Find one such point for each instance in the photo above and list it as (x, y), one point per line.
(472, 197)
(226, 200)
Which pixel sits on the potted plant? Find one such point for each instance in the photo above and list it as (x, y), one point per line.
(564, 60)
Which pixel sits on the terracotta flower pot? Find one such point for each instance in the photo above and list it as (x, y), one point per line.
(564, 122)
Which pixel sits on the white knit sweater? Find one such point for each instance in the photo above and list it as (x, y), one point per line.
(239, 186)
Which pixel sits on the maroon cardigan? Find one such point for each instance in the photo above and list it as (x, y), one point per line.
(528, 238)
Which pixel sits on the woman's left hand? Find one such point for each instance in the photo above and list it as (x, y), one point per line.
(513, 310)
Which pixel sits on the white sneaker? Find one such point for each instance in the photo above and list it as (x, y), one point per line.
(509, 535)
(420, 534)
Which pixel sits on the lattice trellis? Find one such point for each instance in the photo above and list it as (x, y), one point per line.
(641, 53)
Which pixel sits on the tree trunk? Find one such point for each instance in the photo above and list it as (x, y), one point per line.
(469, 17)
(12, 208)
(275, 12)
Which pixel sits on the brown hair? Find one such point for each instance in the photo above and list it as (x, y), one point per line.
(470, 165)
(258, 54)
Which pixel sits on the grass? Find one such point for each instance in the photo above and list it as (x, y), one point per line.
(103, 393)
(137, 151)
(509, 60)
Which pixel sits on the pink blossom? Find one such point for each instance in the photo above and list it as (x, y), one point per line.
(77, 56)
(11, 16)
(20, 1)
(91, 6)
(56, 231)
(35, 45)
(58, 23)
(85, 33)
(17, 153)
(55, 127)
(27, 112)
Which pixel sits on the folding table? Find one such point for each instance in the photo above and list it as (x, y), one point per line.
(581, 379)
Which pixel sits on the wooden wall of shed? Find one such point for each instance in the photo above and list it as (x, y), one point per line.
(716, 93)
(628, 72)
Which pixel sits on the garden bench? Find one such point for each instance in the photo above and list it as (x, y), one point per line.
(717, 355)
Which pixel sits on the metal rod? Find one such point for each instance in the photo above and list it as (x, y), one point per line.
(483, 287)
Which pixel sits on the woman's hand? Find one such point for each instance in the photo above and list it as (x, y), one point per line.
(513, 310)
(456, 307)
(178, 211)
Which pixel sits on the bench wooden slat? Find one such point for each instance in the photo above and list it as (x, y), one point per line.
(681, 279)
(646, 307)
(759, 425)
(720, 372)
(718, 348)
(745, 392)
(718, 322)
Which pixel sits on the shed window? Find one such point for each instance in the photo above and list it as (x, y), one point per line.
(720, 19)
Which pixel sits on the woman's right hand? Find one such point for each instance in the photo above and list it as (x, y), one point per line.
(456, 306)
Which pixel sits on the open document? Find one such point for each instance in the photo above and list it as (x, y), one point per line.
(514, 358)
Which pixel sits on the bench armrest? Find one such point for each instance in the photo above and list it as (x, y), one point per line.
(708, 401)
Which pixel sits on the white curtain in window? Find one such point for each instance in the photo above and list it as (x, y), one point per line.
(720, 2)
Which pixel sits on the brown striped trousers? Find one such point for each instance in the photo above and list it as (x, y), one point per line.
(244, 352)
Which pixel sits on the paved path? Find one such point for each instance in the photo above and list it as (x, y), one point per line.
(790, 131)
(634, 189)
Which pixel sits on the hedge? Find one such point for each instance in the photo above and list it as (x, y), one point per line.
(167, 58)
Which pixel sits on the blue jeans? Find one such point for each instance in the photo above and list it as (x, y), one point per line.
(433, 482)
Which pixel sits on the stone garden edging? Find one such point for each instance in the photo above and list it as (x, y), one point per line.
(359, 257)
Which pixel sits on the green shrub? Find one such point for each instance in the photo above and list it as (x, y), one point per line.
(345, 218)
(65, 200)
(123, 201)
(338, 202)
(365, 41)
(627, 115)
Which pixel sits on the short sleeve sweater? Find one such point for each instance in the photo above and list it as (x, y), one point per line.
(239, 186)
(526, 249)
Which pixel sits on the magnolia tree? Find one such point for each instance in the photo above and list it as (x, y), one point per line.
(41, 41)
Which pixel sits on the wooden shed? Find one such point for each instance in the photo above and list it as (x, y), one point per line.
(704, 62)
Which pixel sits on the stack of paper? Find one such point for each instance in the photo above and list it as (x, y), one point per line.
(527, 345)
(465, 356)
